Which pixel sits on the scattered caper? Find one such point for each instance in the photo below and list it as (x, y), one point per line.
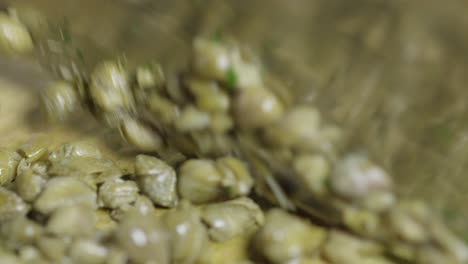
(65, 220)
(14, 37)
(8, 162)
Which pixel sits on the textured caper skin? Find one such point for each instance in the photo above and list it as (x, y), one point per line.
(199, 181)
(157, 180)
(64, 191)
(14, 37)
(8, 162)
(236, 217)
(188, 232)
(118, 193)
(284, 237)
(144, 239)
(11, 205)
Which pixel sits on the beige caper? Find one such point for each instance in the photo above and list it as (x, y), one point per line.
(64, 191)
(60, 99)
(236, 217)
(14, 37)
(356, 177)
(143, 238)
(139, 135)
(118, 193)
(256, 107)
(11, 205)
(313, 172)
(53, 248)
(284, 237)
(199, 181)
(236, 178)
(88, 252)
(192, 119)
(157, 180)
(19, 231)
(110, 88)
(30, 180)
(74, 220)
(211, 59)
(209, 96)
(150, 76)
(8, 162)
(188, 232)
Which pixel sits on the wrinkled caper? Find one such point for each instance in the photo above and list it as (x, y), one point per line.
(232, 218)
(8, 162)
(236, 178)
(64, 191)
(140, 135)
(284, 237)
(189, 234)
(118, 193)
(157, 180)
(199, 181)
(11, 205)
(88, 252)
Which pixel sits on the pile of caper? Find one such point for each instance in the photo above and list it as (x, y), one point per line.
(228, 162)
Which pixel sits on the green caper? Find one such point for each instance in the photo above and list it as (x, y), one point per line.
(31, 255)
(313, 172)
(189, 234)
(157, 180)
(64, 191)
(140, 135)
(209, 96)
(35, 149)
(118, 193)
(19, 231)
(192, 119)
(256, 107)
(284, 237)
(236, 178)
(8, 162)
(53, 248)
(356, 177)
(344, 248)
(29, 182)
(14, 37)
(163, 109)
(221, 123)
(88, 252)
(11, 205)
(60, 99)
(65, 220)
(83, 148)
(199, 181)
(143, 238)
(211, 59)
(299, 128)
(150, 76)
(110, 88)
(232, 218)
